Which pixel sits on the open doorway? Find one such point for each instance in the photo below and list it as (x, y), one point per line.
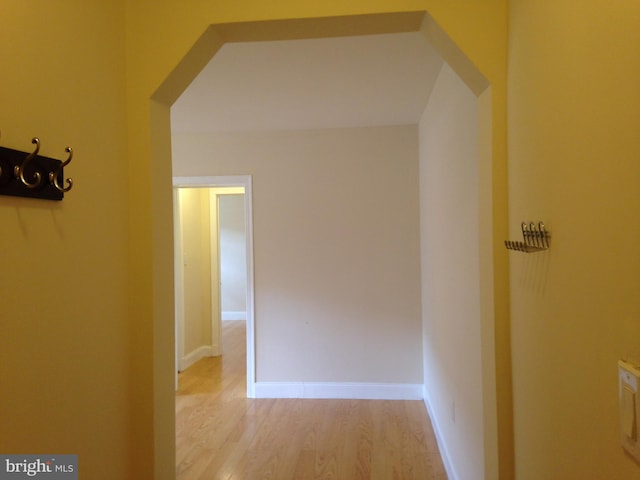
(210, 262)
(487, 322)
(213, 266)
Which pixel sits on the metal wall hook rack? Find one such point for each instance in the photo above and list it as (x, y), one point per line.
(31, 175)
(535, 238)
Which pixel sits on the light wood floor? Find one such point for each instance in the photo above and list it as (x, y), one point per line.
(220, 434)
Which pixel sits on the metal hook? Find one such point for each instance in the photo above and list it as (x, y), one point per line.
(53, 176)
(18, 170)
(545, 236)
(525, 232)
(533, 239)
(533, 235)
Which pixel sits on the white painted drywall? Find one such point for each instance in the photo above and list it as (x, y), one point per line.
(450, 273)
(233, 257)
(336, 248)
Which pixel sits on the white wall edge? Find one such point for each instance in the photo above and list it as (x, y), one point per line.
(444, 453)
(358, 391)
(195, 355)
(234, 316)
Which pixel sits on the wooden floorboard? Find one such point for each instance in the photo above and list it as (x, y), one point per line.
(221, 434)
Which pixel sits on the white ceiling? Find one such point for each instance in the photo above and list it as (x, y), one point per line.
(317, 83)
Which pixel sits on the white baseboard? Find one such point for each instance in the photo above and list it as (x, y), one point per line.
(234, 316)
(360, 391)
(442, 446)
(192, 357)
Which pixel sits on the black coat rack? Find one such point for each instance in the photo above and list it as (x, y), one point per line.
(31, 175)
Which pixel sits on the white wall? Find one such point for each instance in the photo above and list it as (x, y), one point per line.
(450, 276)
(336, 248)
(233, 253)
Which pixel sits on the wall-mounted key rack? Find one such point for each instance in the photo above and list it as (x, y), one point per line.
(535, 238)
(31, 175)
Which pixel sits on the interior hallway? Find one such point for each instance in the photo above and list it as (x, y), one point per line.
(220, 434)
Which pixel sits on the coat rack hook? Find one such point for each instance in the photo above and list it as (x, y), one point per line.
(18, 170)
(53, 176)
(544, 237)
(535, 238)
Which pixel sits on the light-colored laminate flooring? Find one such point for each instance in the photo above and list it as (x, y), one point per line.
(221, 434)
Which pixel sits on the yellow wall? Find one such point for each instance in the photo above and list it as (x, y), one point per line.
(195, 217)
(64, 340)
(89, 358)
(87, 353)
(574, 147)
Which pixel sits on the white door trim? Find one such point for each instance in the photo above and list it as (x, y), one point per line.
(237, 181)
(178, 285)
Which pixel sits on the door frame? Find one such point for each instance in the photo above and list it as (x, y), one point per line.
(236, 181)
